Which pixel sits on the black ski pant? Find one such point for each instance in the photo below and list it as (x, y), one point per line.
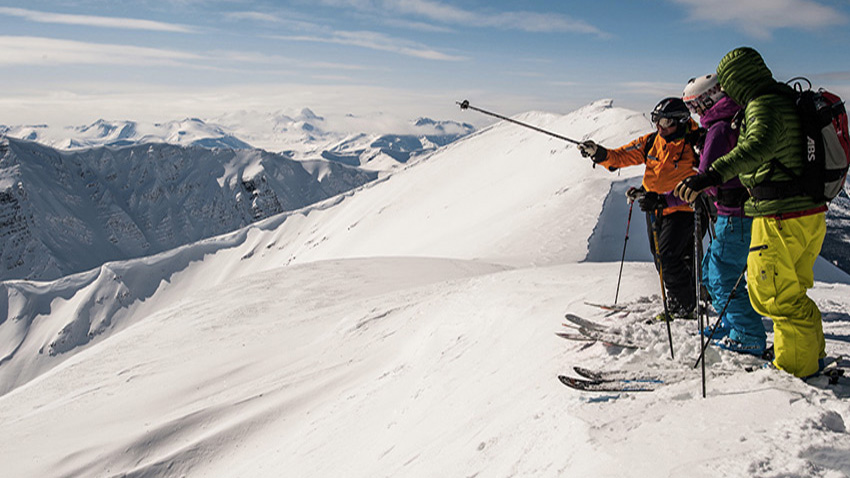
(675, 257)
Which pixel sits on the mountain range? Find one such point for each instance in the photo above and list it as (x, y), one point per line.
(304, 136)
(63, 212)
(74, 198)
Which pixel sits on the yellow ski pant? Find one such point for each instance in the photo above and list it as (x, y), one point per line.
(779, 272)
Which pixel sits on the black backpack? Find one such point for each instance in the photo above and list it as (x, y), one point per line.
(824, 120)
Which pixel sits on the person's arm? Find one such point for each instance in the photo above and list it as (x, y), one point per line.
(628, 155)
(756, 146)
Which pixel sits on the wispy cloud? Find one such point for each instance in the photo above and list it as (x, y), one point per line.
(273, 19)
(236, 57)
(20, 50)
(95, 21)
(377, 41)
(414, 25)
(449, 14)
(759, 18)
(837, 76)
(653, 89)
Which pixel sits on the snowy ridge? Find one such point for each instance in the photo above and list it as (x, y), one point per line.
(404, 328)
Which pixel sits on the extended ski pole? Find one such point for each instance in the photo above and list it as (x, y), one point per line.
(623, 259)
(719, 318)
(465, 105)
(654, 221)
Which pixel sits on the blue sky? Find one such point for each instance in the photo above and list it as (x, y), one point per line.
(74, 61)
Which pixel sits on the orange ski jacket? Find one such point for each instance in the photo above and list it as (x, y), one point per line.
(667, 163)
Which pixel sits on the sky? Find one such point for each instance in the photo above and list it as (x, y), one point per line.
(71, 62)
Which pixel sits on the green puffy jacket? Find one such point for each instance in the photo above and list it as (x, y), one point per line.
(771, 129)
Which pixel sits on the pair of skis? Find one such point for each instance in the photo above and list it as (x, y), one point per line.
(600, 380)
(583, 330)
(633, 381)
(612, 381)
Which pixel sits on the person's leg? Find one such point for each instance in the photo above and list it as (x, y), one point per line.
(745, 324)
(676, 247)
(780, 270)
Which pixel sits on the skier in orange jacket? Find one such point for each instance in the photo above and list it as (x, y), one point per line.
(669, 157)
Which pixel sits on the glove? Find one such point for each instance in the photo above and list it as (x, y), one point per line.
(652, 202)
(590, 149)
(633, 194)
(690, 187)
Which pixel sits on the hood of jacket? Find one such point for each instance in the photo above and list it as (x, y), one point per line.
(743, 75)
(724, 110)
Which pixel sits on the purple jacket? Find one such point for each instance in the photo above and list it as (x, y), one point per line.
(719, 140)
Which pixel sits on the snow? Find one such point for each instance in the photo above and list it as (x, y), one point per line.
(405, 328)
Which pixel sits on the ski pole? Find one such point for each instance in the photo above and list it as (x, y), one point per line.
(698, 279)
(623, 259)
(465, 105)
(719, 318)
(654, 221)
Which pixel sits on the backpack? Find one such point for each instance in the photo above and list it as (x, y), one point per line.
(827, 143)
(824, 121)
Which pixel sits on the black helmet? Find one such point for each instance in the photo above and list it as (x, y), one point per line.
(673, 108)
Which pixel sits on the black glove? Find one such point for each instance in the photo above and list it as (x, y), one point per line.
(652, 202)
(589, 149)
(690, 187)
(634, 194)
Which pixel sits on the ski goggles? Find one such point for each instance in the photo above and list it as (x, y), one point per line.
(662, 121)
(699, 105)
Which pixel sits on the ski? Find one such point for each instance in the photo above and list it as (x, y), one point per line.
(614, 375)
(595, 331)
(607, 386)
(610, 309)
(610, 339)
(582, 322)
(613, 307)
(575, 336)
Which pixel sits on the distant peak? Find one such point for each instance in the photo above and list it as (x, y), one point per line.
(604, 103)
(307, 113)
(425, 121)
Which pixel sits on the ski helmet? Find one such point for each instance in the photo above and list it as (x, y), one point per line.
(701, 93)
(673, 110)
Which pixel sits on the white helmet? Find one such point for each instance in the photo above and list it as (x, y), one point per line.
(701, 93)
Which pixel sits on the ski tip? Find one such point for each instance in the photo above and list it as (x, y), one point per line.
(576, 337)
(587, 373)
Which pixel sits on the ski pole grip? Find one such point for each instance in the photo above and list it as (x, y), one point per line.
(463, 104)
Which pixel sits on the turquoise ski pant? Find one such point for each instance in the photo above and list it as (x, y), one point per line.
(722, 265)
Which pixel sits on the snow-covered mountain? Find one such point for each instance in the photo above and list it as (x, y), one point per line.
(349, 140)
(304, 136)
(383, 152)
(66, 212)
(403, 329)
(187, 132)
